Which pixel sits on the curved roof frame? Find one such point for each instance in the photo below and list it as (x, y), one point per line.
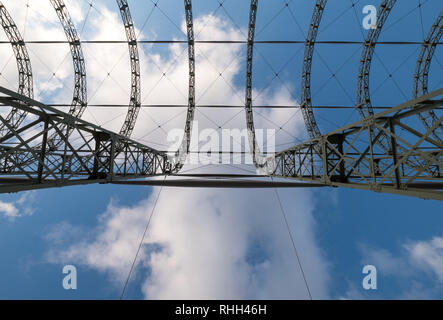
(421, 74)
(364, 104)
(305, 96)
(80, 96)
(257, 157)
(25, 77)
(183, 151)
(135, 98)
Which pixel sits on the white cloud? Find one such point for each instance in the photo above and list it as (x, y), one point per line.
(8, 209)
(428, 255)
(416, 270)
(23, 206)
(209, 244)
(416, 256)
(385, 261)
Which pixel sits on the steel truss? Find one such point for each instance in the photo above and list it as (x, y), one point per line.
(183, 151)
(135, 99)
(258, 159)
(351, 157)
(306, 102)
(382, 152)
(346, 157)
(80, 96)
(88, 155)
(364, 104)
(25, 79)
(420, 83)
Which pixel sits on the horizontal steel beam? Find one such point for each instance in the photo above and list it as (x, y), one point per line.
(212, 106)
(346, 157)
(351, 156)
(89, 154)
(219, 183)
(333, 42)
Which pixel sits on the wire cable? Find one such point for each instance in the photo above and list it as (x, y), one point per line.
(292, 241)
(141, 243)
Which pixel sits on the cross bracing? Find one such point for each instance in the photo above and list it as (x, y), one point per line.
(382, 152)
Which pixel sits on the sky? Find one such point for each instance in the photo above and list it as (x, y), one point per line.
(220, 244)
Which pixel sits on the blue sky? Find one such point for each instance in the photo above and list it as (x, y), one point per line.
(339, 230)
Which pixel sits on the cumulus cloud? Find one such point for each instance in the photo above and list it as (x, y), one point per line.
(428, 255)
(385, 261)
(416, 270)
(204, 244)
(23, 206)
(417, 256)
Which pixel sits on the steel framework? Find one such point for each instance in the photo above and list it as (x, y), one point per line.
(351, 157)
(421, 74)
(25, 79)
(79, 99)
(135, 99)
(258, 159)
(183, 151)
(90, 157)
(305, 97)
(382, 152)
(364, 104)
(80, 96)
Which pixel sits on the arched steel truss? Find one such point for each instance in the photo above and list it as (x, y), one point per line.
(183, 151)
(25, 78)
(420, 82)
(364, 104)
(135, 99)
(80, 96)
(257, 157)
(305, 98)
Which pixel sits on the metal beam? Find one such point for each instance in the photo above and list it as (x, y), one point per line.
(87, 156)
(80, 96)
(305, 97)
(346, 157)
(214, 106)
(183, 151)
(327, 42)
(25, 79)
(420, 82)
(258, 158)
(135, 99)
(220, 183)
(363, 103)
(351, 157)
